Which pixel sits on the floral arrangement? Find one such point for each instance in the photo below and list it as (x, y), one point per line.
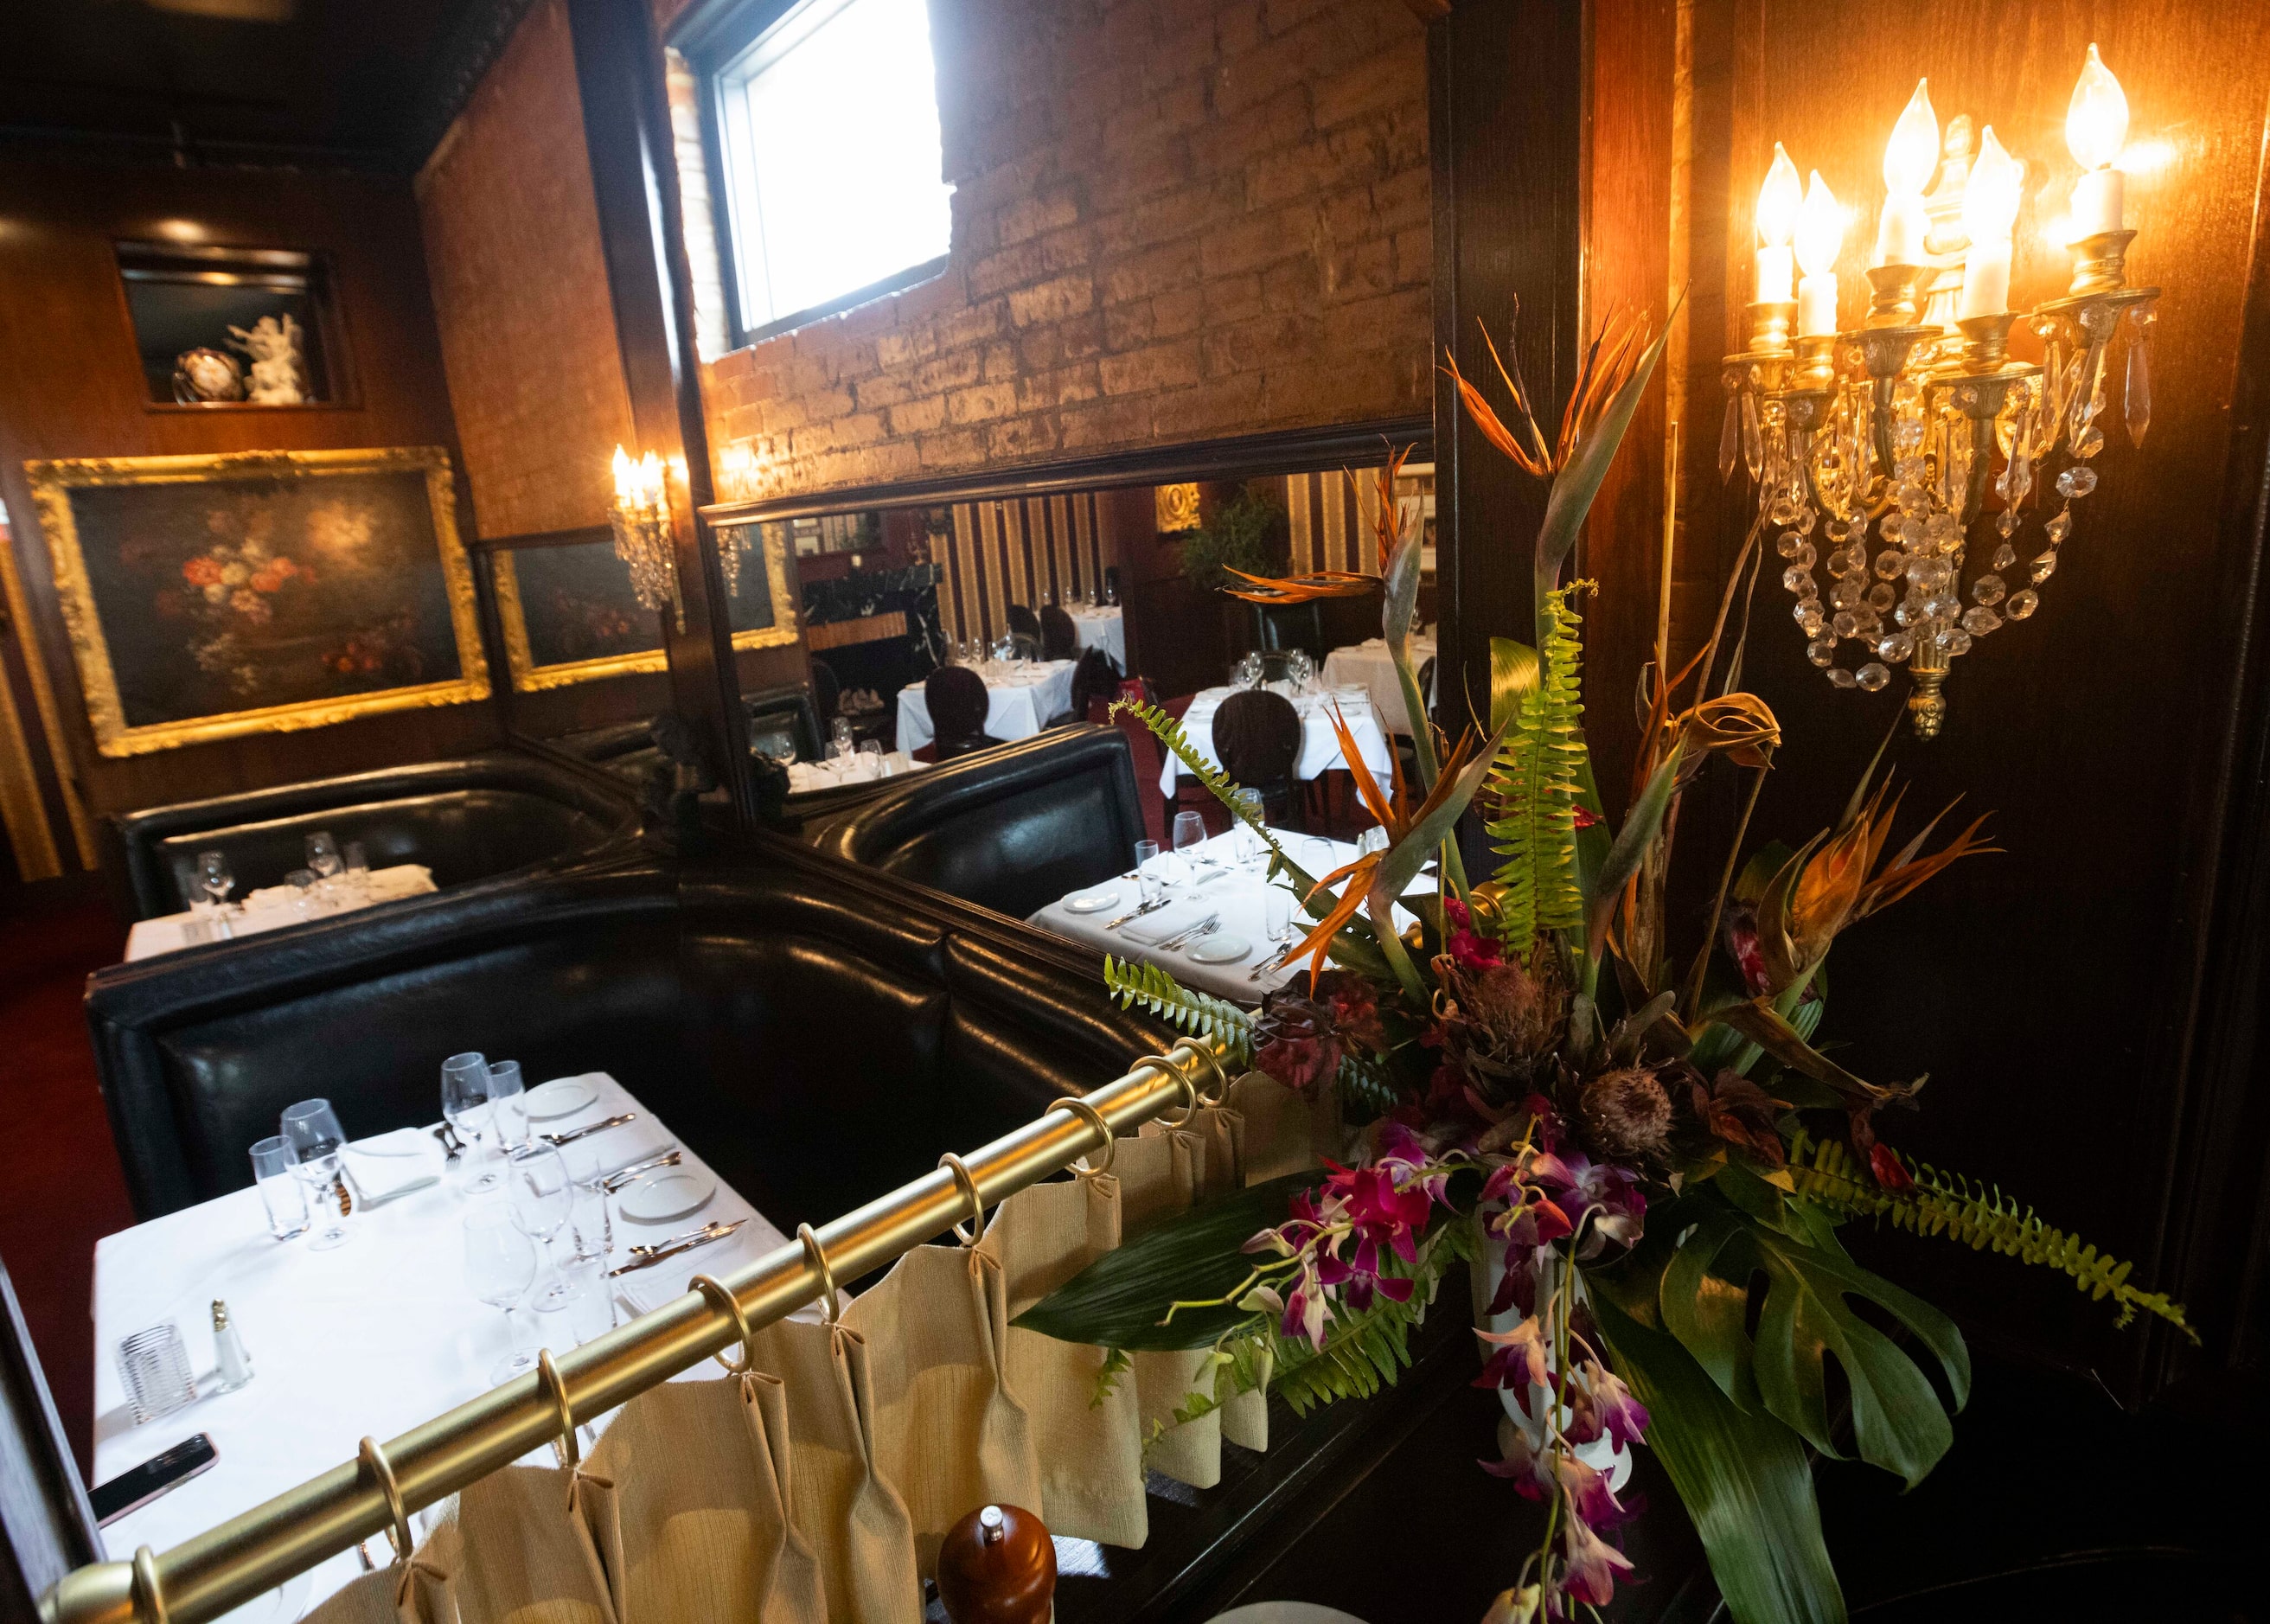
(1620, 1136)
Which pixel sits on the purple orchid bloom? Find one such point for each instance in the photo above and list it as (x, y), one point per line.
(1519, 1362)
(1621, 1415)
(1592, 1565)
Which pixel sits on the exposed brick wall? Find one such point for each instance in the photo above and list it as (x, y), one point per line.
(1174, 219)
(520, 291)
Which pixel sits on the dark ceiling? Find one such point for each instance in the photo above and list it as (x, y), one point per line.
(359, 84)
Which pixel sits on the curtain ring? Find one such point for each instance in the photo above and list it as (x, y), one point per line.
(149, 1598)
(1093, 1118)
(721, 1296)
(1174, 1074)
(571, 1451)
(1214, 1061)
(967, 1180)
(819, 1261)
(382, 1472)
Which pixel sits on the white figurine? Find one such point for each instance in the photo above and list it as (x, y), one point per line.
(273, 346)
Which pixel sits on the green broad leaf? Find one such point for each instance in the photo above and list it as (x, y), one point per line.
(1766, 861)
(1742, 1476)
(1578, 482)
(1514, 672)
(1630, 845)
(1119, 1299)
(1402, 598)
(1804, 1319)
(1592, 840)
(1762, 1024)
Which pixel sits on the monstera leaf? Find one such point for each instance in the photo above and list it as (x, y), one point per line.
(1805, 1319)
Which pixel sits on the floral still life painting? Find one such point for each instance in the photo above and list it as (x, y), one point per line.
(208, 596)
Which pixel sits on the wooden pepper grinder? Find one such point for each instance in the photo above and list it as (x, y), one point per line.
(998, 1566)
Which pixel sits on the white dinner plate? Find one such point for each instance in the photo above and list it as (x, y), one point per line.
(1090, 901)
(1220, 948)
(563, 1096)
(663, 1196)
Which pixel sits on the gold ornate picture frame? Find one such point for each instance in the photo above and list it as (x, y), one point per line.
(541, 636)
(210, 596)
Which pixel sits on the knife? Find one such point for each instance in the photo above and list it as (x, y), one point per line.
(556, 1140)
(1176, 941)
(621, 1177)
(646, 1257)
(1136, 913)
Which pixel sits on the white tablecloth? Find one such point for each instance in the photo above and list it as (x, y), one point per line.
(833, 774)
(1366, 665)
(1233, 894)
(373, 1337)
(272, 907)
(1320, 747)
(1023, 698)
(1103, 628)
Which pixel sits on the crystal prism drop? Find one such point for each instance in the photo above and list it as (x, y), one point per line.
(2079, 480)
(1871, 677)
(1730, 439)
(2004, 557)
(2044, 566)
(2136, 402)
(1841, 677)
(1988, 589)
(1980, 621)
(2021, 604)
(1754, 440)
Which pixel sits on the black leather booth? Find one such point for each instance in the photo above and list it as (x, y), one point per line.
(817, 1035)
(1011, 828)
(465, 820)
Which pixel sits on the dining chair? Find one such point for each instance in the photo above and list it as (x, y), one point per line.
(1059, 637)
(958, 706)
(1024, 623)
(1257, 738)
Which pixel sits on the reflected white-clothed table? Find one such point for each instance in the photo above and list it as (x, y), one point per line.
(859, 768)
(1320, 747)
(272, 907)
(373, 1337)
(1104, 628)
(1021, 695)
(1215, 883)
(1367, 665)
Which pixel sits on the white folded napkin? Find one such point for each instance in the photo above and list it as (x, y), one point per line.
(390, 1165)
(1172, 920)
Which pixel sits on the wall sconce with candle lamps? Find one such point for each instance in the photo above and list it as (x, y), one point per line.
(1903, 423)
(640, 518)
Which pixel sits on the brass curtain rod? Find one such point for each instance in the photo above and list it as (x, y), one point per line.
(224, 1567)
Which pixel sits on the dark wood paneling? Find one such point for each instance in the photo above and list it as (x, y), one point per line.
(72, 385)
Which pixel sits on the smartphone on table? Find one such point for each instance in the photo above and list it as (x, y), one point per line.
(131, 1490)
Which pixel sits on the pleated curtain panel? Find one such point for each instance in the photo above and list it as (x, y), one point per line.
(815, 1487)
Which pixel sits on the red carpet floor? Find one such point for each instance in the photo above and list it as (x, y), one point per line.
(62, 1190)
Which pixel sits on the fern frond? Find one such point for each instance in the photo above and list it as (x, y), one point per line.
(1118, 1363)
(1979, 1217)
(1535, 780)
(1199, 1013)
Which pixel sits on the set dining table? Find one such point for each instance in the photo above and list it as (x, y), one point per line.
(375, 1335)
(1368, 665)
(1021, 698)
(1104, 626)
(272, 908)
(860, 766)
(1320, 745)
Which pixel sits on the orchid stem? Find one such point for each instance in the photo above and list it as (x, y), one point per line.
(1719, 903)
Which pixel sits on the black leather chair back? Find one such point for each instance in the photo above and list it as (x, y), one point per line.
(826, 690)
(1094, 678)
(1290, 626)
(1024, 623)
(1011, 828)
(1059, 637)
(817, 1036)
(1256, 737)
(47, 1524)
(784, 719)
(465, 820)
(958, 705)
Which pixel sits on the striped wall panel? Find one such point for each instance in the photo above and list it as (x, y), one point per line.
(1025, 551)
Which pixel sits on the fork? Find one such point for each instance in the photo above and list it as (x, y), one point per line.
(1182, 938)
(1270, 963)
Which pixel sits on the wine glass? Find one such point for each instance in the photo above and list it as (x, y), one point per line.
(465, 1108)
(323, 855)
(312, 1134)
(1190, 834)
(507, 1105)
(541, 1197)
(839, 736)
(500, 1266)
(1248, 844)
(214, 876)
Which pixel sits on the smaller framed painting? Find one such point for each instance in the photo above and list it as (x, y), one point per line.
(569, 614)
(263, 591)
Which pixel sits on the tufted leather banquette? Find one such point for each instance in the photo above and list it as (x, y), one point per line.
(466, 821)
(817, 1035)
(1011, 828)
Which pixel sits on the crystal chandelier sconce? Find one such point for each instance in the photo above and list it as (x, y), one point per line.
(1874, 451)
(640, 521)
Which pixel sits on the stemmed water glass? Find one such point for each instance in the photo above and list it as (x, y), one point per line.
(1249, 843)
(1190, 834)
(312, 1134)
(839, 736)
(543, 1199)
(500, 1266)
(465, 1108)
(507, 1105)
(215, 878)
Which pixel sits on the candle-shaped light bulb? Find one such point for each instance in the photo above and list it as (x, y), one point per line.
(2096, 129)
(1820, 239)
(1910, 158)
(1989, 212)
(650, 477)
(625, 486)
(1779, 200)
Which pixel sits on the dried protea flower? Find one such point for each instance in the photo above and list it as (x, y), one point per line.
(1626, 1113)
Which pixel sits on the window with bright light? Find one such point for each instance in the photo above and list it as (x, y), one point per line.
(827, 124)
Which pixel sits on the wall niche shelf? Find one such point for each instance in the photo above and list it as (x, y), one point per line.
(183, 301)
